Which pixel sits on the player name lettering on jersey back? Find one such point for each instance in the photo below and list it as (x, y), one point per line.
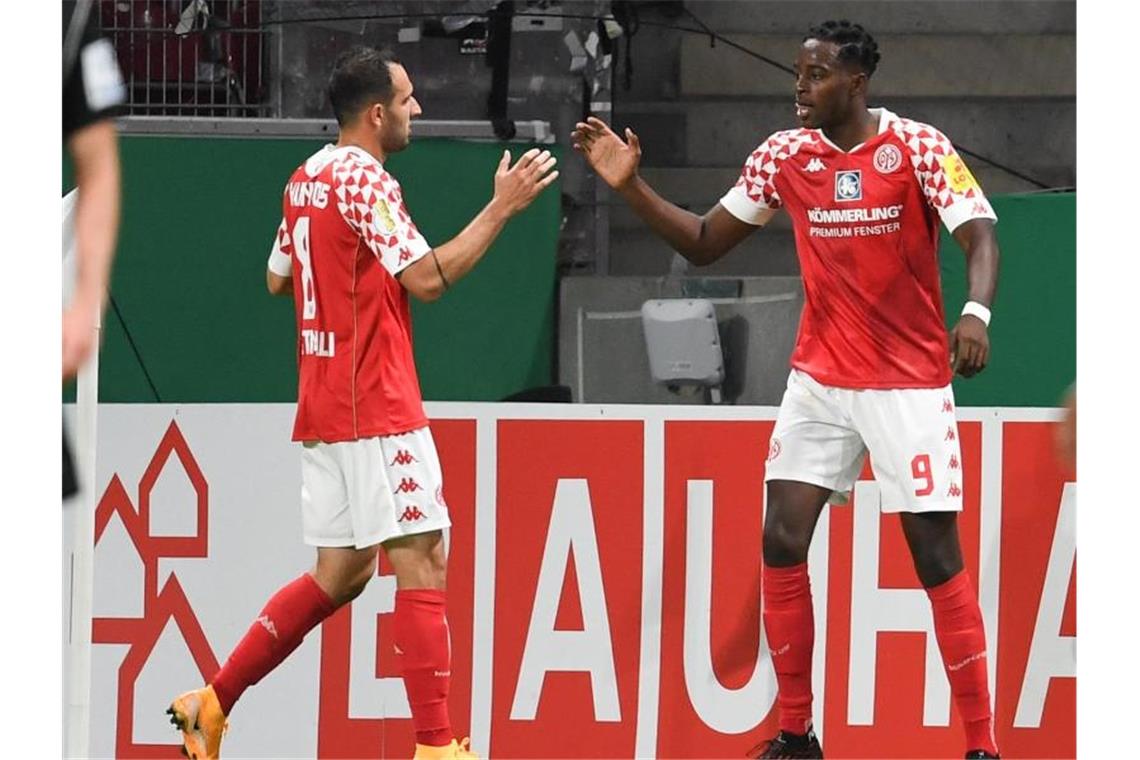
(318, 343)
(839, 215)
(308, 193)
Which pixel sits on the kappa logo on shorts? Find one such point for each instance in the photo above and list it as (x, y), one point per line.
(774, 449)
(954, 490)
(947, 405)
(411, 514)
(403, 458)
(408, 485)
(953, 462)
(849, 185)
(951, 435)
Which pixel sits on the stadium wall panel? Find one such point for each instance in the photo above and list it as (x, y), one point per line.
(603, 589)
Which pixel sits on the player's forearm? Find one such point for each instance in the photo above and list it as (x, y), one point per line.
(982, 270)
(459, 255)
(96, 156)
(682, 230)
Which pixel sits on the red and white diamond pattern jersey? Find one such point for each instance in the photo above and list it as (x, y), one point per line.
(866, 225)
(757, 180)
(344, 236)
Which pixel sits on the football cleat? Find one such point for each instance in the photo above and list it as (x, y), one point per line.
(198, 715)
(788, 745)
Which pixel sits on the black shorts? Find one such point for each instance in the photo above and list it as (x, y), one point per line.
(70, 483)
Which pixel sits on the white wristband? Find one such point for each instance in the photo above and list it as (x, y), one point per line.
(976, 309)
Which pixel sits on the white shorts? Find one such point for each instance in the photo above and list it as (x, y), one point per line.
(364, 492)
(823, 433)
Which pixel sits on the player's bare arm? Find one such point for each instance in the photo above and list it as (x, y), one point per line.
(700, 239)
(515, 187)
(95, 151)
(278, 285)
(969, 340)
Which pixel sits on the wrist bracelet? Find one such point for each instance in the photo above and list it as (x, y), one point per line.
(978, 310)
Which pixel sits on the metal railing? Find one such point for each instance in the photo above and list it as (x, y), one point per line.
(191, 57)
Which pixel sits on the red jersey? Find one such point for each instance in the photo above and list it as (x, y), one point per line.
(344, 236)
(866, 230)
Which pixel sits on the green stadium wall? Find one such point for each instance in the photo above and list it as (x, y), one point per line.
(1033, 332)
(199, 215)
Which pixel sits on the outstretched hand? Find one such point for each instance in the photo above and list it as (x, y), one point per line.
(969, 346)
(518, 185)
(615, 160)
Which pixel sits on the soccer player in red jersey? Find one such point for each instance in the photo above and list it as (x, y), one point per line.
(349, 253)
(871, 370)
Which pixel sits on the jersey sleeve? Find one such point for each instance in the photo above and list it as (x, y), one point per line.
(946, 182)
(754, 198)
(93, 87)
(371, 202)
(281, 257)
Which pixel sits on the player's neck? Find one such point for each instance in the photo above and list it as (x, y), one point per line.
(861, 127)
(370, 146)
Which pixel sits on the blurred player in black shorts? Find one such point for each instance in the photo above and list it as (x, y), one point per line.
(93, 91)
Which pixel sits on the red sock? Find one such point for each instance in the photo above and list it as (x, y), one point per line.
(962, 640)
(291, 613)
(790, 627)
(423, 644)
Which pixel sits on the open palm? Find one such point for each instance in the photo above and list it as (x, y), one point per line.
(615, 160)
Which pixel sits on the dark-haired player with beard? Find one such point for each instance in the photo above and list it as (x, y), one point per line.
(871, 370)
(349, 253)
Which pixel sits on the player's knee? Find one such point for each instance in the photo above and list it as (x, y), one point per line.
(420, 562)
(359, 581)
(343, 580)
(433, 568)
(935, 567)
(783, 545)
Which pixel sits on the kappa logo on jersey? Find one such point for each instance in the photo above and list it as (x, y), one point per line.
(408, 485)
(849, 185)
(774, 449)
(957, 175)
(405, 254)
(980, 209)
(382, 218)
(411, 514)
(403, 458)
(887, 158)
(439, 496)
(815, 165)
